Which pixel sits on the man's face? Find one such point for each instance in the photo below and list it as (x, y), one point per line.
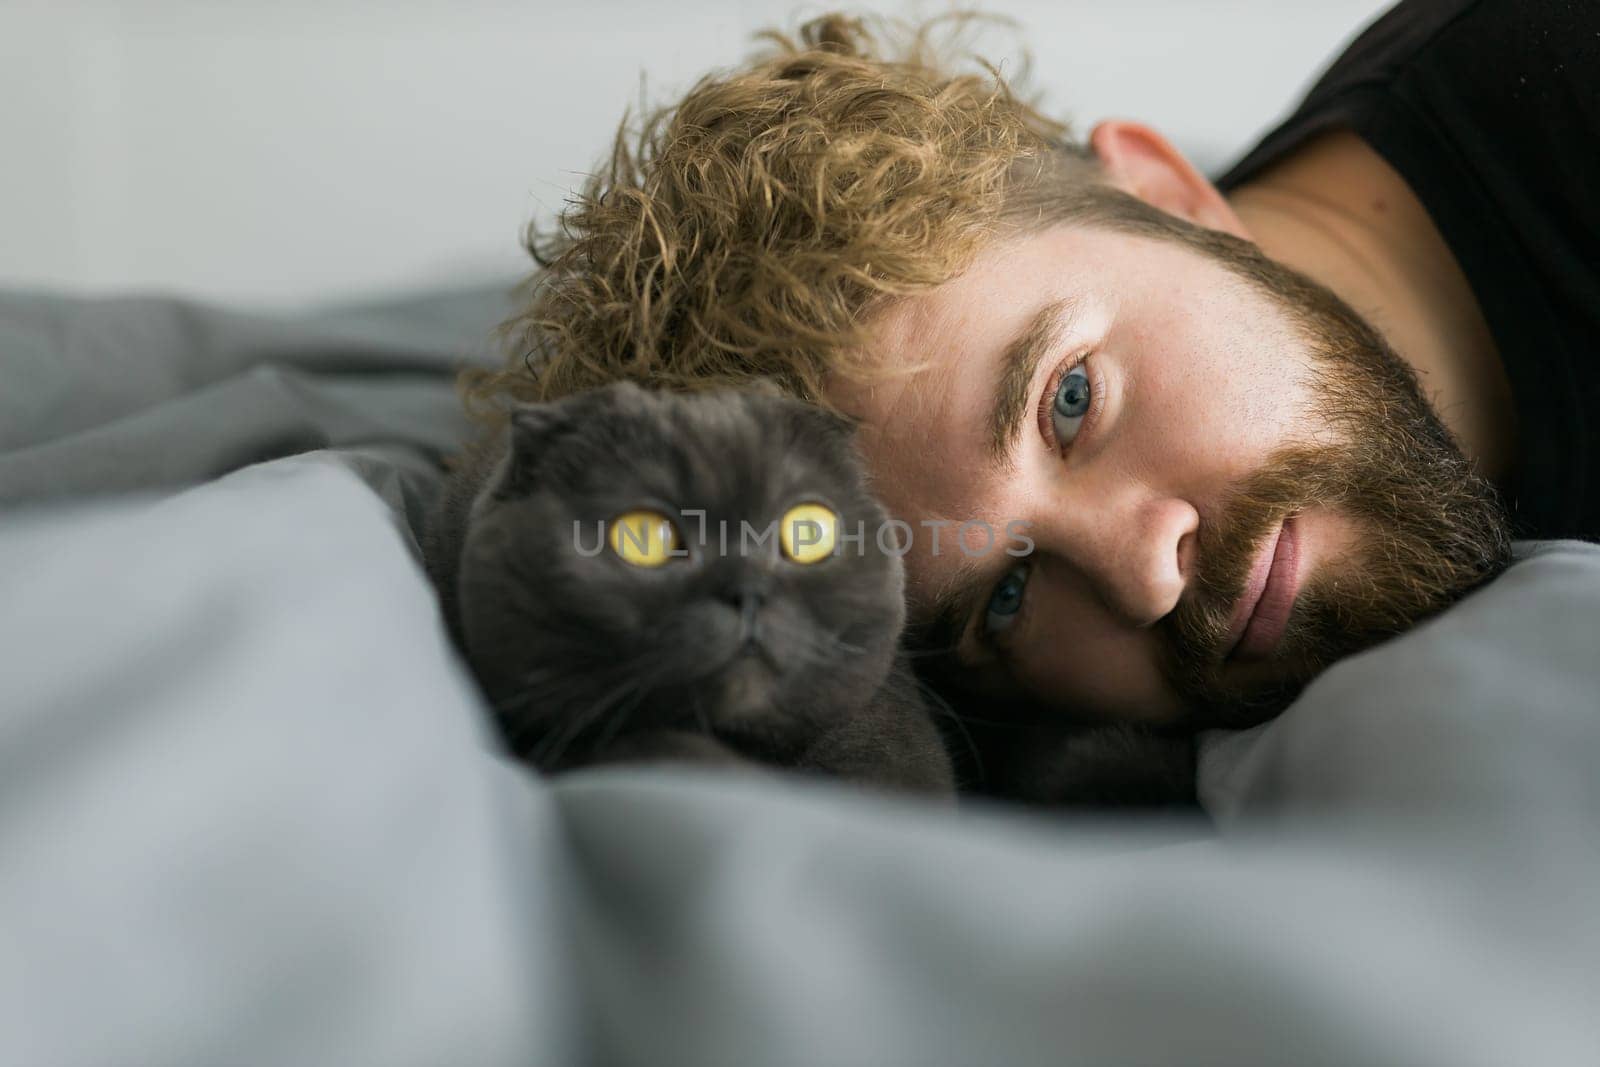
(1218, 506)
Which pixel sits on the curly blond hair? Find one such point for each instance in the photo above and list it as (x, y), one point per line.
(751, 230)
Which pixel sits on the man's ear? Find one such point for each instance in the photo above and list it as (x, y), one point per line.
(1142, 162)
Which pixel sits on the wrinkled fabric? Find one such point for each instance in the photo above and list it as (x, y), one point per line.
(252, 811)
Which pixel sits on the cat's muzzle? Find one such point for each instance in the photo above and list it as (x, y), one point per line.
(745, 687)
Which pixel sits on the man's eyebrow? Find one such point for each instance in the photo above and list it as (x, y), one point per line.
(1018, 365)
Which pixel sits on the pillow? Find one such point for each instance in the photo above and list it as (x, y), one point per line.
(1494, 704)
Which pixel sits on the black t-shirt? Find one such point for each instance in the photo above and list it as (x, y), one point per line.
(1490, 110)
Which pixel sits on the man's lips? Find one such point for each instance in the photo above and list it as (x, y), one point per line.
(1263, 611)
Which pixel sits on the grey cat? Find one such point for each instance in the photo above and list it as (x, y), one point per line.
(615, 568)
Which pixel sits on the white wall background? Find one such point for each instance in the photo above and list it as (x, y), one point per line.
(275, 153)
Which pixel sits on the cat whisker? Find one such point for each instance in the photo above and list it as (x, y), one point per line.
(929, 652)
(939, 708)
(821, 646)
(619, 716)
(549, 753)
(606, 717)
(550, 748)
(537, 685)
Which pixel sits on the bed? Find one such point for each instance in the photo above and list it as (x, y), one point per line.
(251, 810)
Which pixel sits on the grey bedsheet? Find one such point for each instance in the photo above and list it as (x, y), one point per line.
(117, 394)
(250, 811)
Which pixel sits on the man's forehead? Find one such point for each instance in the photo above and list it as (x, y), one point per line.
(924, 436)
(909, 346)
(955, 518)
(920, 445)
(930, 352)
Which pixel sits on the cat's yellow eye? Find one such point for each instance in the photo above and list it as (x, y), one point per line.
(808, 532)
(644, 538)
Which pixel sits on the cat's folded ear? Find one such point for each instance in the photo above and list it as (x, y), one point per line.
(843, 425)
(814, 415)
(533, 423)
(817, 419)
(532, 427)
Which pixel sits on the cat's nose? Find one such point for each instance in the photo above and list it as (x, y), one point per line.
(743, 588)
(746, 598)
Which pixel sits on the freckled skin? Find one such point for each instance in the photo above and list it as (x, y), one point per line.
(1221, 409)
(1199, 392)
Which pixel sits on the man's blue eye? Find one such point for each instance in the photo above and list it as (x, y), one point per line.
(1006, 600)
(1071, 404)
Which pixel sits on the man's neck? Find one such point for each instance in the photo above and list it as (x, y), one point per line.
(1336, 211)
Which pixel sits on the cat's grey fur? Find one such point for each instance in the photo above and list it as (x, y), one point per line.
(726, 656)
(1060, 764)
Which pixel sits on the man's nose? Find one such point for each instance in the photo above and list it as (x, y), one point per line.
(1136, 551)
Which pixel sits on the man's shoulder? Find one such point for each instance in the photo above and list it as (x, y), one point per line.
(1498, 60)
(1460, 36)
(1465, 33)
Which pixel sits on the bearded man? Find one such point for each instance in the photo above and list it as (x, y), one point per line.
(1230, 476)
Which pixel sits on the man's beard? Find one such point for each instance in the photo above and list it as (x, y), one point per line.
(1430, 529)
